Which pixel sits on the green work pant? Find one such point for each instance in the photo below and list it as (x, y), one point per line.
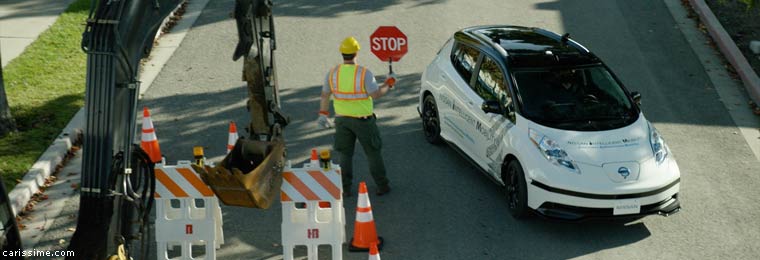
(347, 130)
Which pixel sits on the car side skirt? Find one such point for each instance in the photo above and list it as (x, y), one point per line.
(473, 162)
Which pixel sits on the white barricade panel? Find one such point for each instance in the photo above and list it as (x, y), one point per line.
(187, 213)
(312, 210)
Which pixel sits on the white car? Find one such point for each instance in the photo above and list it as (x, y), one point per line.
(548, 120)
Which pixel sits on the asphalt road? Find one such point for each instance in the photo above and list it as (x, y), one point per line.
(440, 206)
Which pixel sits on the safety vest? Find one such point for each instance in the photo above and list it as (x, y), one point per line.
(350, 96)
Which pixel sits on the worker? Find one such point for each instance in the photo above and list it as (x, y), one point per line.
(353, 88)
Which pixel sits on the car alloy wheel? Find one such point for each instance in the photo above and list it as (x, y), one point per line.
(515, 190)
(430, 122)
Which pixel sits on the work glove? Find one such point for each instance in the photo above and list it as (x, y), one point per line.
(324, 122)
(391, 80)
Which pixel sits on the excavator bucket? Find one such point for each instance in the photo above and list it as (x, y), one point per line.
(250, 175)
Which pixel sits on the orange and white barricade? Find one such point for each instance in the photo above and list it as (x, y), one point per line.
(187, 212)
(312, 209)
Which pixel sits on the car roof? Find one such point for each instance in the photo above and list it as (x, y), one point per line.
(528, 47)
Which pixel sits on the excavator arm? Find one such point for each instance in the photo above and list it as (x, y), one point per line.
(250, 175)
(118, 185)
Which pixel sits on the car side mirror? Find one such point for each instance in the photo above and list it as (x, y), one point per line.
(636, 97)
(492, 106)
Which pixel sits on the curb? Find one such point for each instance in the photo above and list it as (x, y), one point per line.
(728, 47)
(54, 156)
(731, 91)
(47, 164)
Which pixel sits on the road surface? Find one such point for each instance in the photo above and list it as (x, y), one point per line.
(440, 206)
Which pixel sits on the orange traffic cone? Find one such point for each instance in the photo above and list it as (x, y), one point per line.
(314, 158)
(373, 253)
(364, 227)
(233, 137)
(149, 141)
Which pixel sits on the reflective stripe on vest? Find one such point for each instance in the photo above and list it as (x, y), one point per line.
(347, 85)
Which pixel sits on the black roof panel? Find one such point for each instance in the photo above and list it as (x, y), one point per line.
(522, 40)
(530, 47)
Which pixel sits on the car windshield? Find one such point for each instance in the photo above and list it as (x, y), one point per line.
(583, 99)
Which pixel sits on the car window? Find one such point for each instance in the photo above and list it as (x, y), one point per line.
(464, 61)
(607, 87)
(491, 84)
(581, 98)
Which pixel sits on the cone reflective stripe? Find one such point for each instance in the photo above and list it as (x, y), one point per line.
(363, 207)
(149, 141)
(374, 254)
(232, 138)
(365, 233)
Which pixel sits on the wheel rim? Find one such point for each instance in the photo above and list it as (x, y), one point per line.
(430, 119)
(511, 188)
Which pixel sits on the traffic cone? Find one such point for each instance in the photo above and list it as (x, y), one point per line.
(374, 254)
(149, 141)
(364, 227)
(314, 158)
(233, 137)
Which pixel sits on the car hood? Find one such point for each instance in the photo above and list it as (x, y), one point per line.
(625, 144)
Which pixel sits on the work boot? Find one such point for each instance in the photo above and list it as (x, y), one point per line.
(382, 190)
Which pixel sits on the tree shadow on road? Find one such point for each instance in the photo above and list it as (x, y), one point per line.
(432, 184)
(31, 8)
(644, 47)
(217, 11)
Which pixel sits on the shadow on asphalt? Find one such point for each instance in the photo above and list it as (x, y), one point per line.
(32, 8)
(309, 8)
(419, 172)
(439, 199)
(674, 86)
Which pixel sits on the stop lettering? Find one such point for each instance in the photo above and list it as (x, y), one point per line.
(388, 42)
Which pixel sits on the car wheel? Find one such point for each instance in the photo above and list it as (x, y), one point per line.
(430, 121)
(516, 190)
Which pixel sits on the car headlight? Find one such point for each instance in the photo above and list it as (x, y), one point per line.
(552, 151)
(659, 149)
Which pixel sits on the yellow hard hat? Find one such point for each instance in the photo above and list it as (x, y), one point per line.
(349, 46)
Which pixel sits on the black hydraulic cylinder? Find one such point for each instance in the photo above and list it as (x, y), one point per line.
(118, 34)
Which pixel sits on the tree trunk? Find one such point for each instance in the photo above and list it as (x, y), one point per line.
(7, 124)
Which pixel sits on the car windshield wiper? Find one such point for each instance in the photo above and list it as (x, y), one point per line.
(608, 118)
(590, 119)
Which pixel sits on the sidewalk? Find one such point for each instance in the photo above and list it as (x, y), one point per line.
(21, 21)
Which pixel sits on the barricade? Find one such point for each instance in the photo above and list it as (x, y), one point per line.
(187, 212)
(312, 209)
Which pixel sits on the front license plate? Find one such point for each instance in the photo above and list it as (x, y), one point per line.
(625, 207)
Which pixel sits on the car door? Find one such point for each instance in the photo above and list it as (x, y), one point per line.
(491, 84)
(455, 98)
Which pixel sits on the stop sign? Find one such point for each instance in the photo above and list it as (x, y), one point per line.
(388, 42)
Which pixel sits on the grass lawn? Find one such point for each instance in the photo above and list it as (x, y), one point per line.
(45, 87)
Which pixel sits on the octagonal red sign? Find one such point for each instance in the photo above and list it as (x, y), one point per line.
(388, 42)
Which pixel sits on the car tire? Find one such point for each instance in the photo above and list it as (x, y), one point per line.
(431, 125)
(516, 190)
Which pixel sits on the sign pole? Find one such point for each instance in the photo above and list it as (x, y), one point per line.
(388, 43)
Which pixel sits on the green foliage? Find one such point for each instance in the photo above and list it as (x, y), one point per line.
(750, 3)
(45, 87)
